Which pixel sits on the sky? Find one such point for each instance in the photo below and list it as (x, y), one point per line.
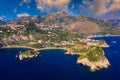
(11, 9)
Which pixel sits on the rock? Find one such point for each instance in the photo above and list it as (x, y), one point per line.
(27, 55)
(95, 65)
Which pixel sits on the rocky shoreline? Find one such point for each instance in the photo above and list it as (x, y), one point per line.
(94, 65)
(105, 45)
(27, 55)
(103, 63)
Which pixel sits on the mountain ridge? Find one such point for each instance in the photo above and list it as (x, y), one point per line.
(80, 23)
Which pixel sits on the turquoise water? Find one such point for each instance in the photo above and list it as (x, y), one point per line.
(55, 65)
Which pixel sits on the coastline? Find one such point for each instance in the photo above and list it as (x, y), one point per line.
(35, 49)
(94, 65)
(94, 36)
(103, 63)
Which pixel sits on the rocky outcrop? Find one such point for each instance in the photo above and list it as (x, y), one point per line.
(104, 63)
(27, 55)
(104, 45)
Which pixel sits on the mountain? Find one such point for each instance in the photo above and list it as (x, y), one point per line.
(81, 23)
(115, 22)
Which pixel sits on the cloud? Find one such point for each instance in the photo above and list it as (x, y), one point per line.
(100, 7)
(95, 7)
(48, 5)
(24, 2)
(23, 15)
(27, 1)
(91, 8)
(1, 18)
(115, 6)
(15, 10)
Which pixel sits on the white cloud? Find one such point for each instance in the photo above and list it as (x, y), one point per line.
(23, 15)
(1, 18)
(48, 5)
(24, 1)
(95, 7)
(15, 10)
(115, 6)
(27, 1)
(100, 7)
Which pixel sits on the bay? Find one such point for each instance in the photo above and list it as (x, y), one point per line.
(55, 65)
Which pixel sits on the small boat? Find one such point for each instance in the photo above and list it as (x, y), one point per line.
(114, 42)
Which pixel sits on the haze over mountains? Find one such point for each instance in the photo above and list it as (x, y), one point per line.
(113, 21)
(81, 23)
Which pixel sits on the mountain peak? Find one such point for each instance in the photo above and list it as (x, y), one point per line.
(62, 12)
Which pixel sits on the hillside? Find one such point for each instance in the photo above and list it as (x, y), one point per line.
(81, 23)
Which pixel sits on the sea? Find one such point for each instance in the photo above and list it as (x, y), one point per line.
(55, 65)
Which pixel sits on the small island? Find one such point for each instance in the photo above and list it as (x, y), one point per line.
(29, 54)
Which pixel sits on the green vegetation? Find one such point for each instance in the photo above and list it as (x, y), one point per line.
(83, 43)
(26, 52)
(82, 57)
(69, 46)
(101, 42)
(36, 45)
(82, 50)
(93, 54)
(30, 35)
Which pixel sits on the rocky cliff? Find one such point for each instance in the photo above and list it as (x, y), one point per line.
(94, 65)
